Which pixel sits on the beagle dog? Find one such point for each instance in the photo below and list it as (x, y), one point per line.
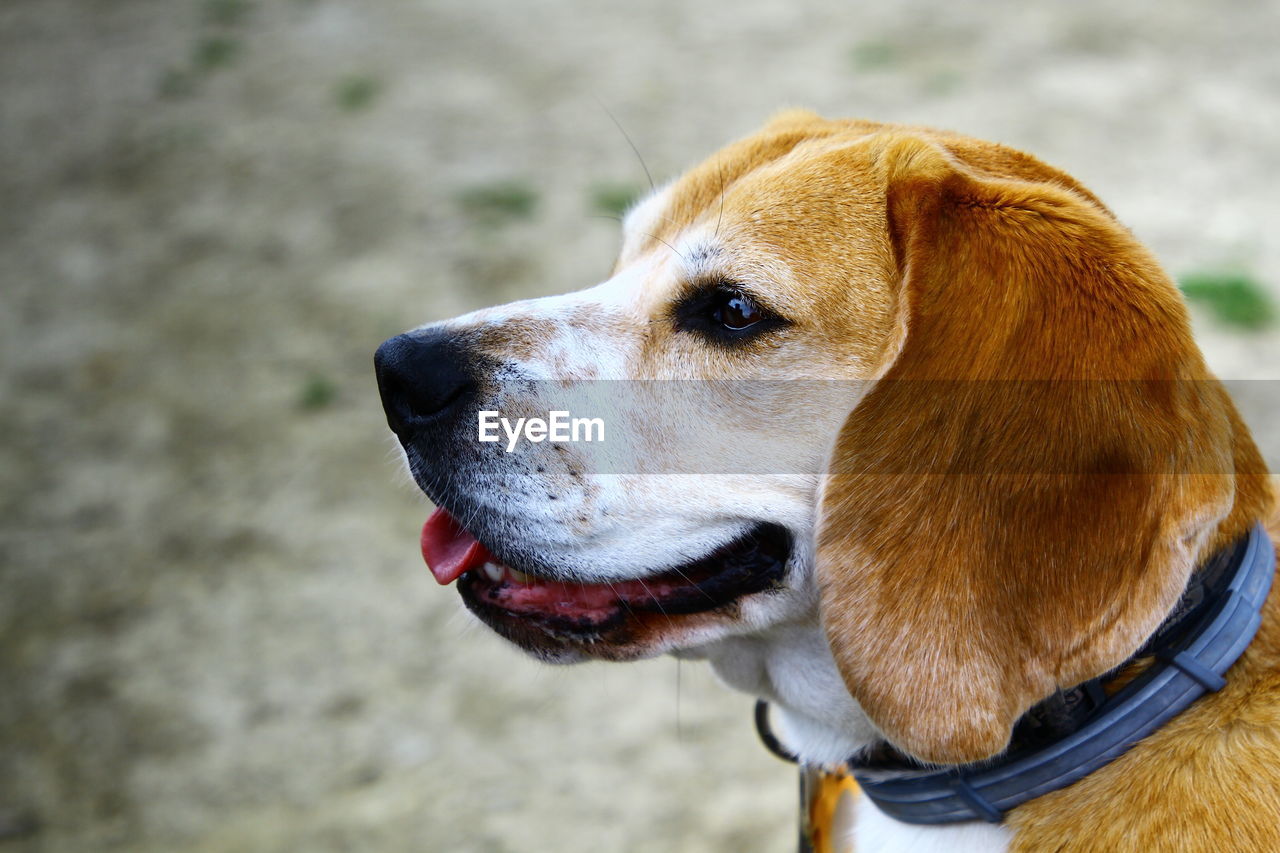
(904, 433)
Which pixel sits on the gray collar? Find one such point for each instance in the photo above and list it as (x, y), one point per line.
(1075, 732)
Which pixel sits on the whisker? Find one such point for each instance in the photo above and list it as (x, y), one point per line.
(679, 726)
(720, 219)
(626, 136)
(621, 600)
(657, 603)
(694, 585)
(668, 245)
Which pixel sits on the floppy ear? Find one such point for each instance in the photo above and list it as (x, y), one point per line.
(1020, 500)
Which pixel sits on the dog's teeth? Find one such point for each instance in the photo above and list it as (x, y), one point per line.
(519, 577)
(493, 571)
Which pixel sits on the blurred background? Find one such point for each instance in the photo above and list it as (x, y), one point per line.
(216, 633)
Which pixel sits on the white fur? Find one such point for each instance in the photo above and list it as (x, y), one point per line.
(791, 666)
(875, 832)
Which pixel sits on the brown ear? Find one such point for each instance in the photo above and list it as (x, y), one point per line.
(1020, 500)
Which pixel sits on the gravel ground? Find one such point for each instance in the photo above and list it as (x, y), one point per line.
(215, 633)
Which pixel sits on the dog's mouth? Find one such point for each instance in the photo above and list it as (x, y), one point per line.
(513, 601)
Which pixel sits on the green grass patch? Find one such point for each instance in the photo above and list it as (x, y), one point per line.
(941, 83)
(356, 92)
(1234, 298)
(215, 52)
(317, 393)
(872, 55)
(614, 199)
(226, 13)
(499, 202)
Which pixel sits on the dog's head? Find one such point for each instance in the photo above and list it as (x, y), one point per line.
(921, 390)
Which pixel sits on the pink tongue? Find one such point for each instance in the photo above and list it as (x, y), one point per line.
(448, 549)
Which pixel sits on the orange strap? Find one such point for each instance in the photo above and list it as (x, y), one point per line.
(828, 795)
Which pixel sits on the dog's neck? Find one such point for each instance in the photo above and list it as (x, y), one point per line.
(791, 667)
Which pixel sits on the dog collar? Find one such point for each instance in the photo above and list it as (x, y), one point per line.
(1074, 732)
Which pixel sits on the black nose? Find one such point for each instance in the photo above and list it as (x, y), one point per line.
(423, 378)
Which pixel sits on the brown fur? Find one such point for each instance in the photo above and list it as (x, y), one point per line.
(1021, 498)
(1092, 461)
(1050, 361)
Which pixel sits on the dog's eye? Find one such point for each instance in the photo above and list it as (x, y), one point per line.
(724, 314)
(736, 312)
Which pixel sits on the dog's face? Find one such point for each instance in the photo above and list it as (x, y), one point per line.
(737, 359)
(713, 307)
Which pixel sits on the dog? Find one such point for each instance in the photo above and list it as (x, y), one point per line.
(913, 437)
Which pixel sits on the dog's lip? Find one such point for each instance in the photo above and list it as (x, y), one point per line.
(753, 562)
